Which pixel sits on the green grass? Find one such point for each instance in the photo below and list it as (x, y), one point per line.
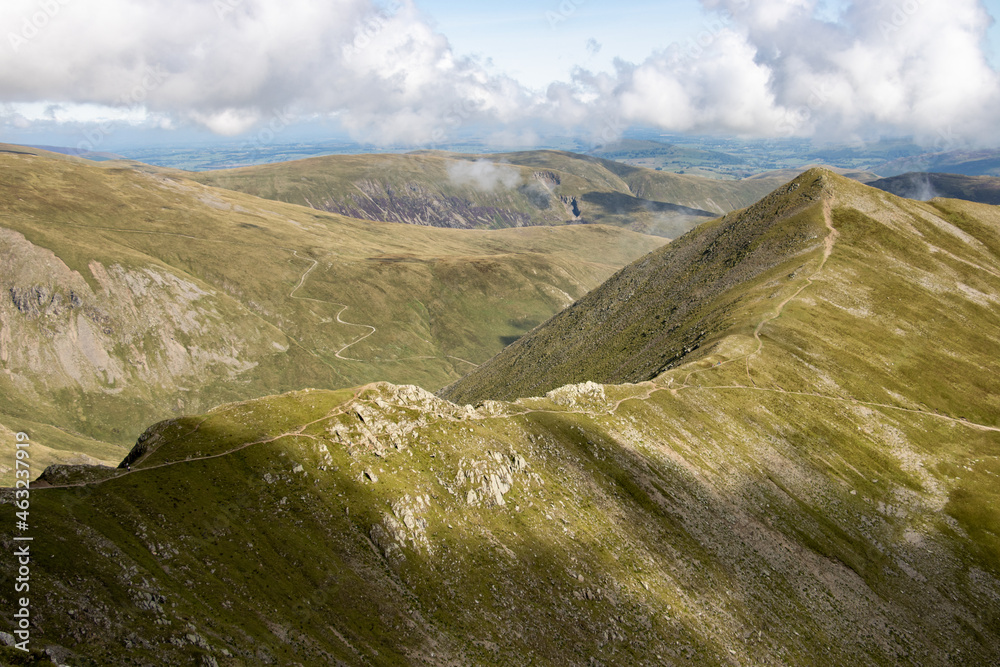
(658, 310)
(699, 531)
(824, 498)
(188, 297)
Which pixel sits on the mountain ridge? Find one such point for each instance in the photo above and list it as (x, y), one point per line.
(708, 260)
(131, 294)
(814, 484)
(523, 188)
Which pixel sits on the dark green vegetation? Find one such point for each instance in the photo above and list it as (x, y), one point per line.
(493, 191)
(923, 186)
(129, 294)
(814, 483)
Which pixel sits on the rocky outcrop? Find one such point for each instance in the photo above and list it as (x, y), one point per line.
(417, 205)
(572, 207)
(548, 178)
(487, 481)
(587, 393)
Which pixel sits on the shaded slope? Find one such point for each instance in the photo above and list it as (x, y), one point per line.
(923, 186)
(128, 294)
(626, 524)
(901, 276)
(662, 307)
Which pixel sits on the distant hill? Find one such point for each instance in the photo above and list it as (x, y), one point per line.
(796, 465)
(964, 162)
(496, 190)
(785, 175)
(97, 156)
(923, 186)
(130, 294)
(525, 188)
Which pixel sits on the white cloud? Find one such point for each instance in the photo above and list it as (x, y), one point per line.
(484, 175)
(759, 67)
(228, 64)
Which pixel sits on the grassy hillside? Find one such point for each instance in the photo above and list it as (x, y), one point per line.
(814, 484)
(130, 294)
(703, 297)
(717, 196)
(663, 307)
(452, 190)
(626, 524)
(542, 187)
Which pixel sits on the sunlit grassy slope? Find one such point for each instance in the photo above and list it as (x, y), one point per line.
(129, 294)
(814, 484)
(909, 288)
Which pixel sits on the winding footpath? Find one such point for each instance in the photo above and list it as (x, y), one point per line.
(651, 386)
(828, 242)
(343, 307)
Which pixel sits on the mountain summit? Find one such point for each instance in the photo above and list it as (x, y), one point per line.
(821, 263)
(669, 305)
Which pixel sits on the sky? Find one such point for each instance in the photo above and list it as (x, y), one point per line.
(97, 75)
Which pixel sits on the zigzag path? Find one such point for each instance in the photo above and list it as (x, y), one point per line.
(652, 386)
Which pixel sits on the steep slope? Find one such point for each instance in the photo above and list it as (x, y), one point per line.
(924, 186)
(814, 485)
(707, 293)
(659, 309)
(130, 294)
(623, 524)
(543, 187)
(714, 195)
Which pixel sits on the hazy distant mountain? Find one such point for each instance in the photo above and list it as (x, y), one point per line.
(497, 190)
(923, 186)
(968, 163)
(800, 468)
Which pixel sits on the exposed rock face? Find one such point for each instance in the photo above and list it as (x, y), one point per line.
(416, 205)
(120, 331)
(586, 392)
(70, 335)
(572, 207)
(488, 480)
(548, 178)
